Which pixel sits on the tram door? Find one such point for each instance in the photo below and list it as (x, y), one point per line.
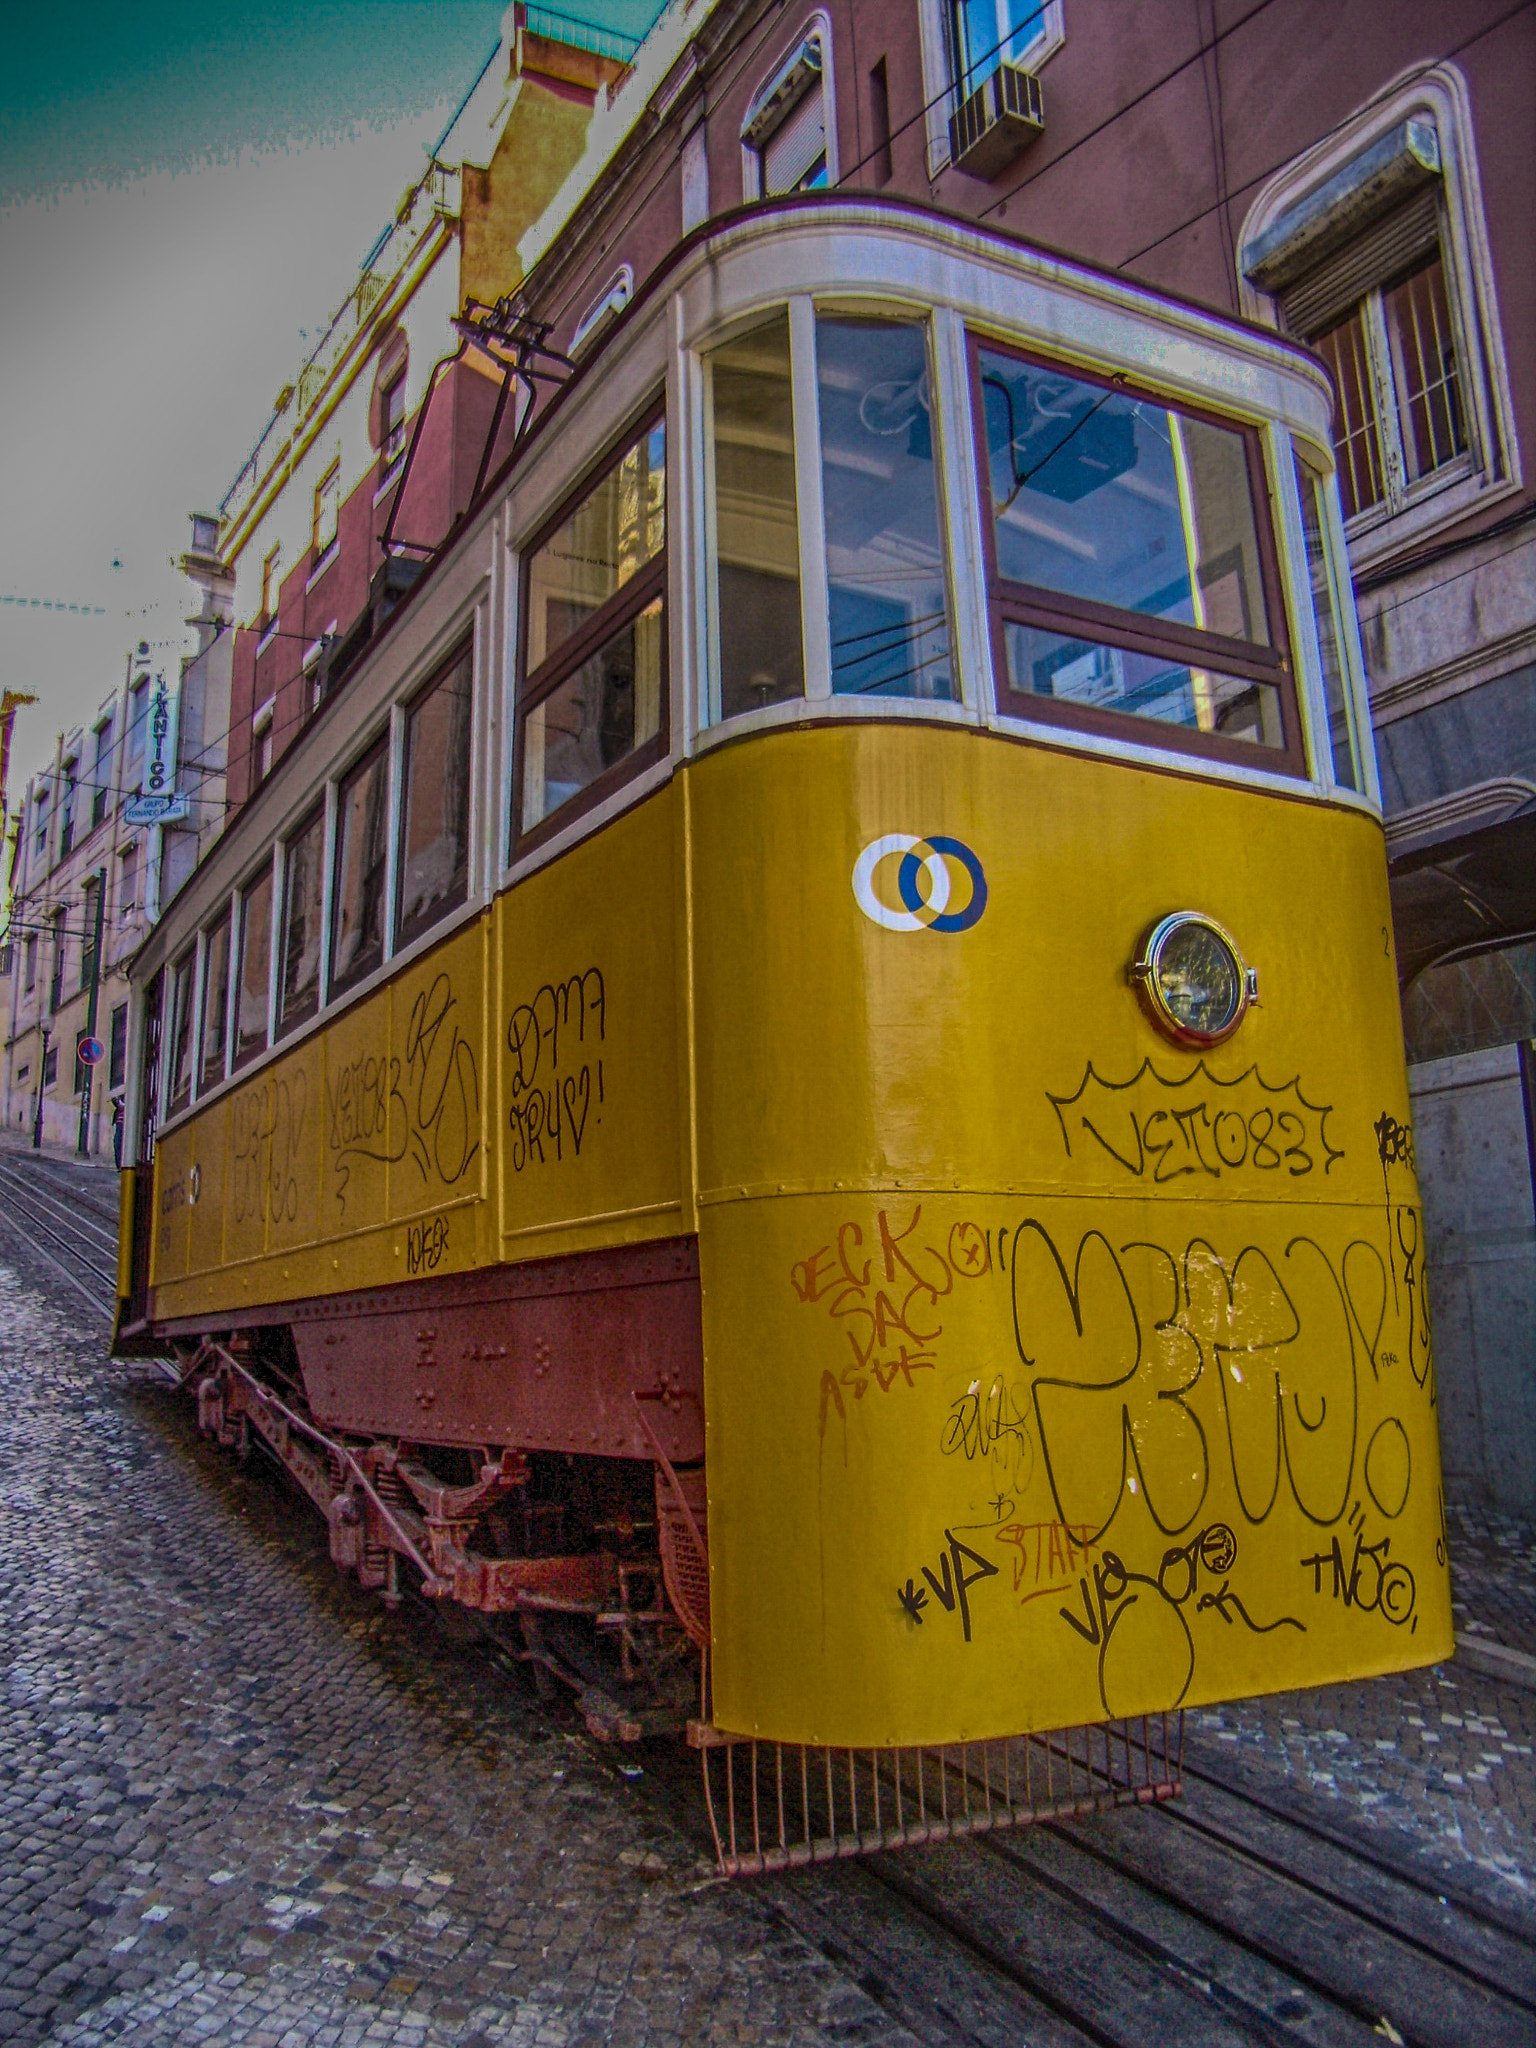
(136, 1309)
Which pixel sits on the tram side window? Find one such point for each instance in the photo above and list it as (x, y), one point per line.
(180, 1090)
(357, 938)
(434, 821)
(215, 1004)
(1128, 561)
(756, 528)
(1346, 769)
(255, 969)
(885, 559)
(298, 988)
(593, 695)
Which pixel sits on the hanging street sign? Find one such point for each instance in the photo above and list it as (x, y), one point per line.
(155, 810)
(161, 717)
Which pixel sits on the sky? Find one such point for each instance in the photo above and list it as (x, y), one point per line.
(186, 194)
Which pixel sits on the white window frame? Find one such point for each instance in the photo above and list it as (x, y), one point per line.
(818, 30)
(941, 95)
(1490, 470)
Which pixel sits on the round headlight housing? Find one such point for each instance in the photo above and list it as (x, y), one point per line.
(1193, 980)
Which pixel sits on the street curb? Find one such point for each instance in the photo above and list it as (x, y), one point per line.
(1496, 1660)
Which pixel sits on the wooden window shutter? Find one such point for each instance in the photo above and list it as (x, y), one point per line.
(1321, 297)
(795, 145)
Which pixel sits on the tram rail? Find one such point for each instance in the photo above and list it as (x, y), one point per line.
(79, 1228)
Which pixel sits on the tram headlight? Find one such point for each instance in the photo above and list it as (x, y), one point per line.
(1193, 980)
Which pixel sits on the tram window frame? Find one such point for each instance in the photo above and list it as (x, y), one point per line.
(209, 1078)
(290, 1016)
(183, 983)
(249, 1047)
(406, 931)
(339, 982)
(646, 587)
(1055, 611)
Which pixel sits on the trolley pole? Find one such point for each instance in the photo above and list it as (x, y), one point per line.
(84, 1145)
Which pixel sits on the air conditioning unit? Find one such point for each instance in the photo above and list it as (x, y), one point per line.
(995, 122)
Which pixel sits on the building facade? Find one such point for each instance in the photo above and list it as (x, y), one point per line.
(321, 529)
(87, 884)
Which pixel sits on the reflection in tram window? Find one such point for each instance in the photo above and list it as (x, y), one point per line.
(215, 1004)
(255, 969)
(757, 533)
(434, 832)
(599, 714)
(1127, 564)
(298, 989)
(592, 704)
(617, 529)
(180, 1090)
(357, 943)
(1118, 500)
(1335, 686)
(1089, 673)
(885, 565)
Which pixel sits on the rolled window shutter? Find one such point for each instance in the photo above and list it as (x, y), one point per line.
(795, 145)
(1321, 297)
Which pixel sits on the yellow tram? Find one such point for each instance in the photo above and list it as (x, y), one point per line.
(808, 1061)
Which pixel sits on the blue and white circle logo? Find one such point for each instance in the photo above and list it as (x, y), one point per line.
(937, 884)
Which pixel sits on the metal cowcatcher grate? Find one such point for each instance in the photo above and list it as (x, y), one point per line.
(778, 1806)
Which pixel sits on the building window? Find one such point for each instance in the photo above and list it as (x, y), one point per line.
(392, 422)
(138, 720)
(30, 955)
(362, 817)
(298, 989)
(1130, 564)
(261, 742)
(255, 977)
(40, 827)
(592, 702)
(67, 809)
(964, 42)
(128, 885)
(271, 581)
(56, 987)
(1400, 418)
(215, 1005)
(434, 817)
(117, 1047)
(182, 990)
(788, 137)
(1372, 249)
(50, 1066)
(327, 509)
(90, 904)
(101, 773)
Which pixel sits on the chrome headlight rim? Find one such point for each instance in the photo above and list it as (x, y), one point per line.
(1145, 975)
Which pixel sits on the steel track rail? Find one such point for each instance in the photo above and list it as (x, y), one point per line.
(79, 1215)
(106, 1312)
(1442, 1955)
(1443, 1891)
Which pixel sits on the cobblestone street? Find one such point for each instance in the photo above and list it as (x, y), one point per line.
(240, 1802)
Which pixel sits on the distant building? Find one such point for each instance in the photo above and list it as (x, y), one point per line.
(75, 848)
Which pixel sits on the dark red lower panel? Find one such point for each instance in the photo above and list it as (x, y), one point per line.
(556, 1355)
